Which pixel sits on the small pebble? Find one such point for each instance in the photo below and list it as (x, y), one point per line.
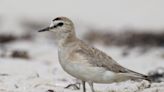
(50, 90)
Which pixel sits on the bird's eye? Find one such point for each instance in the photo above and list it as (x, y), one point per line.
(60, 24)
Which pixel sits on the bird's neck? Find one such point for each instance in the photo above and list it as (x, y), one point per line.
(68, 41)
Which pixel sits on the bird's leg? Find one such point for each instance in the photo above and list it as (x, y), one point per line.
(91, 85)
(83, 84)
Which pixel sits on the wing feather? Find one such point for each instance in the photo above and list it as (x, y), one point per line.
(100, 59)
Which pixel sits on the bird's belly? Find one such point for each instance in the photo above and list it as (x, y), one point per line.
(93, 74)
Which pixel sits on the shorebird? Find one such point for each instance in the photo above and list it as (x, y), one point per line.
(85, 62)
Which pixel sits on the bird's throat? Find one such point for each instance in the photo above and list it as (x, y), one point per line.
(67, 41)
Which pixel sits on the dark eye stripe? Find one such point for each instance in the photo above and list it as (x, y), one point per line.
(60, 24)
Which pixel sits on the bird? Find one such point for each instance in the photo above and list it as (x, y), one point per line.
(85, 62)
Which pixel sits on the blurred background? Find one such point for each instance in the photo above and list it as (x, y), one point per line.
(131, 31)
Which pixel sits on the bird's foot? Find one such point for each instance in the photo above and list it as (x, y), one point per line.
(75, 86)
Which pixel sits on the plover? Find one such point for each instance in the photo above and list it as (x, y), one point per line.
(85, 62)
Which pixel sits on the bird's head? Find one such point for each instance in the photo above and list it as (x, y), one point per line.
(61, 26)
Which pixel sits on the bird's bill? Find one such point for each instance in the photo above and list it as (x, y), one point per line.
(44, 29)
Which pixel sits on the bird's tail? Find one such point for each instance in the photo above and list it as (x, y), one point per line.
(144, 77)
(149, 78)
(153, 79)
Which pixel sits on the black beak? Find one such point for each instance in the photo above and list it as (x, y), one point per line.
(44, 29)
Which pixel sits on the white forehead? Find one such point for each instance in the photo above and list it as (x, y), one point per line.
(53, 23)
